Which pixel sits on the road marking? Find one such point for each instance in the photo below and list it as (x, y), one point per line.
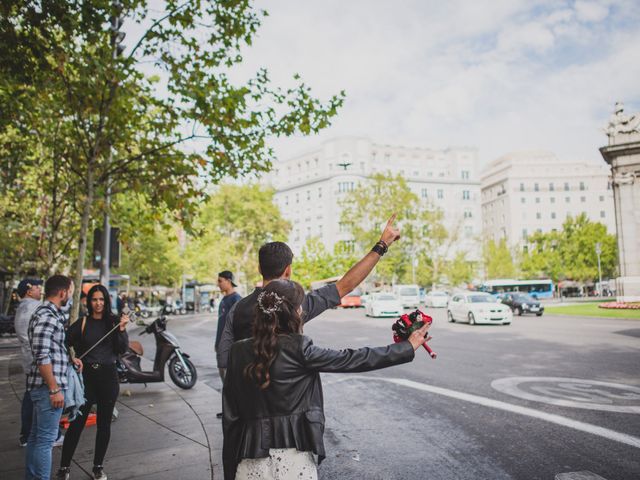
(584, 475)
(572, 392)
(508, 407)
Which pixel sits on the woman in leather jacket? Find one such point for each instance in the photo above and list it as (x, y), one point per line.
(272, 398)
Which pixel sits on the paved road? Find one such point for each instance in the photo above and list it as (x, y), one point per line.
(541, 397)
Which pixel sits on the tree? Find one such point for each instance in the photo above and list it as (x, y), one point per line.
(498, 262)
(570, 253)
(124, 128)
(459, 270)
(424, 237)
(317, 263)
(230, 229)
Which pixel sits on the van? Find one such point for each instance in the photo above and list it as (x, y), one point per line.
(409, 295)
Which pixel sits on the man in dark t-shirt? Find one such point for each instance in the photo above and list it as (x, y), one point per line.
(231, 297)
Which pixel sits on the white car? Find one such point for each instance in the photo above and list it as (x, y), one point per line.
(409, 295)
(383, 305)
(436, 299)
(478, 307)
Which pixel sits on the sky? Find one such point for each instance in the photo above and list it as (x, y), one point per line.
(498, 75)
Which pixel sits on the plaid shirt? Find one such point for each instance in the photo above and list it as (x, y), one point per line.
(46, 337)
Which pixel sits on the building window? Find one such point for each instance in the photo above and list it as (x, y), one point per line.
(468, 231)
(553, 199)
(522, 200)
(440, 193)
(551, 187)
(602, 198)
(553, 215)
(286, 200)
(537, 199)
(524, 233)
(522, 187)
(297, 198)
(581, 185)
(536, 187)
(567, 199)
(308, 194)
(601, 213)
(319, 192)
(424, 193)
(538, 215)
(467, 214)
(346, 246)
(344, 187)
(466, 195)
(583, 199)
(465, 174)
(566, 186)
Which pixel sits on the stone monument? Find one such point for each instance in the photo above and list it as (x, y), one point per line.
(623, 154)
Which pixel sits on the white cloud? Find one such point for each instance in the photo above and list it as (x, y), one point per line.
(500, 75)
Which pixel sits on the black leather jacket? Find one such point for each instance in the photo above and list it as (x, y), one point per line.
(290, 412)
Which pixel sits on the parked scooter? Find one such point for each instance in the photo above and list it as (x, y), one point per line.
(181, 370)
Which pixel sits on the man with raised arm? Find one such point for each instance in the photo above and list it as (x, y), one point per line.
(274, 261)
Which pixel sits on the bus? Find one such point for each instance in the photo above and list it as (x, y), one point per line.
(350, 300)
(535, 288)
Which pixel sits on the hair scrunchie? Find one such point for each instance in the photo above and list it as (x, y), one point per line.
(269, 302)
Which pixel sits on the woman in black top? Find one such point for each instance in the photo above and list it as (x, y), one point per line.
(273, 412)
(101, 386)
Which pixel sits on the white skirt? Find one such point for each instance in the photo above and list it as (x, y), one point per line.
(282, 464)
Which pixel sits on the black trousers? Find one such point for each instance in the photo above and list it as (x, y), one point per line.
(101, 387)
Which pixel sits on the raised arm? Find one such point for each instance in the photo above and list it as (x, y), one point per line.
(362, 269)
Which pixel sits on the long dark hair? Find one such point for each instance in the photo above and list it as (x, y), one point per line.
(276, 314)
(107, 314)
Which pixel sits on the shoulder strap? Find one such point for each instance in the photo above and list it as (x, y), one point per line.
(84, 325)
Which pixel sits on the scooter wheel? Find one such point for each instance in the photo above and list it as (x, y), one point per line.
(183, 379)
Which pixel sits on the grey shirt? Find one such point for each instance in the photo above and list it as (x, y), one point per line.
(314, 303)
(25, 310)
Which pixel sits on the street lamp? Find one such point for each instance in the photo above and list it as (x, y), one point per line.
(598, 252)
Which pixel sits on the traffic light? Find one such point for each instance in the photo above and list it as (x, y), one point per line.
(114, 251)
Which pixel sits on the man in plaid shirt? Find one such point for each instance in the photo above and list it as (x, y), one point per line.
(47, 377)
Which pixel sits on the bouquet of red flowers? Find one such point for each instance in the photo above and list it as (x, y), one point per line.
(407, 324)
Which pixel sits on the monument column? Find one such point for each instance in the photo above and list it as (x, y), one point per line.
(623, 154)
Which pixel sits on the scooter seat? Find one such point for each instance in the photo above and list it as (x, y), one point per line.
(136, 347)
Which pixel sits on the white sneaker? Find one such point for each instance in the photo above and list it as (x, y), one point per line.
(59, 441)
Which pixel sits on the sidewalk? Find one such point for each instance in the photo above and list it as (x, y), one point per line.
(161, 432)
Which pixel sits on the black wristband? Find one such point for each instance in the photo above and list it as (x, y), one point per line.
(379, 249)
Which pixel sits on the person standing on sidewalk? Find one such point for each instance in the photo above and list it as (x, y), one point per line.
(101, 384)
(30, 290)
(274, 260)
(273, 405)
(231, 297)
(47, 378)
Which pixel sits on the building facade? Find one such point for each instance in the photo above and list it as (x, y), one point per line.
(310, 186)
(535, 191)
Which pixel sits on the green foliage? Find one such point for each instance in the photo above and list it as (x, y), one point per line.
(460, 271)
(424, 240)
(150, 242)
(570, 253)
(316, 263)
(230, 229)
(498, 261)
(130, 123)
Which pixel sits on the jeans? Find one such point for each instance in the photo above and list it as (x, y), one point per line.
(27, 417)
(44, 431)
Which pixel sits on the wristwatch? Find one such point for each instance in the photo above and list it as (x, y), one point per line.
(53, 392)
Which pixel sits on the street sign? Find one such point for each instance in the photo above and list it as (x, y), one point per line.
(598, 248)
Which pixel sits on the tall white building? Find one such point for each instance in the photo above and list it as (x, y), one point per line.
(535, 191)
(309, 186)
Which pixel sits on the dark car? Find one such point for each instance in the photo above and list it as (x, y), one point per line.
(522, 303)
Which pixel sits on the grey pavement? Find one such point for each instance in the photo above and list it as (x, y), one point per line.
(162, 432)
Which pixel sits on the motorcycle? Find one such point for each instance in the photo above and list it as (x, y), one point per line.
(181, 370)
